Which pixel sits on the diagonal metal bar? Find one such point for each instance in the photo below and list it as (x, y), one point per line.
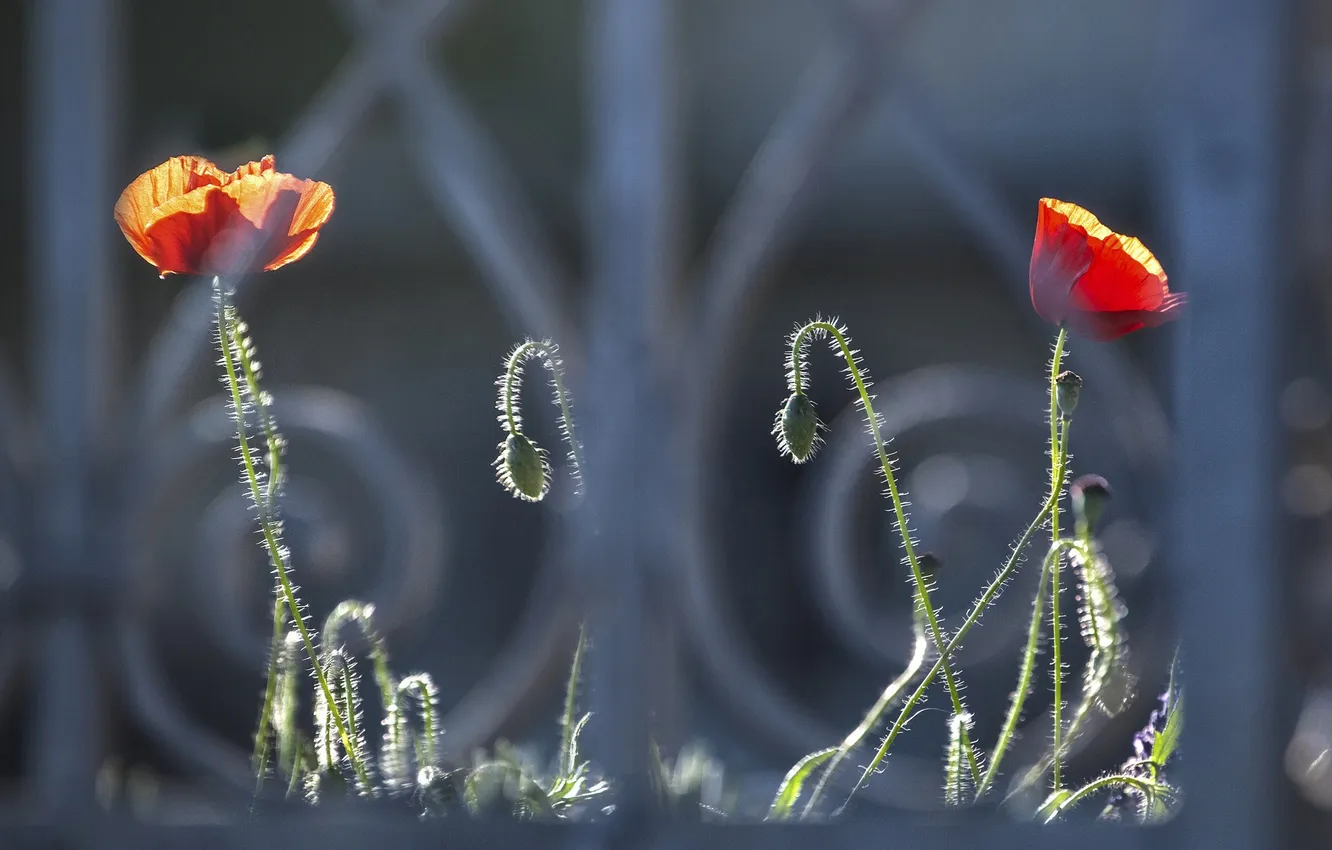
(475, 191)
(1006, 237)
(835, 91)
(183, 341)
(360, 80)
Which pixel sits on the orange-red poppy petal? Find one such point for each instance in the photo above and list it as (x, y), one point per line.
(314, 208)
(268, 163)
(290, 209)
(312, 211)
(1060, 256)
(177, 176)
(1100, 283)
(188, 227)
(1124, 275)
(293, 249)
(187, 217)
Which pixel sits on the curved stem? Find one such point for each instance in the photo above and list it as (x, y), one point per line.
(973, 616)
(349, 700)
(426, 755)
(226, 322)
(511, 383)
(1058, 459)
(872, 717)
(1025, 672)
(1096, 628)
(899, 509)
(270, 694)
(272, 489)
(548, 350)
(1142, 785)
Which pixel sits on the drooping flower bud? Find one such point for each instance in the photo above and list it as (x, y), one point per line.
(1089, 495)
(1068, 386)
(522, 468)
(434, 792)
(798, 427)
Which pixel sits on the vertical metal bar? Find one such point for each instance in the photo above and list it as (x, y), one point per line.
(632, 234)
(71, 119)
(1226, 74)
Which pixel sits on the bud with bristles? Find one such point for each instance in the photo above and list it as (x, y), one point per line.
(797, 428)
(522, 468)
(1068, 386)
(1089, 495)
(434, 792)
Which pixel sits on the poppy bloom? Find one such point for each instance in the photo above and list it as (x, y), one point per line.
(1100, 284)
(187, 216)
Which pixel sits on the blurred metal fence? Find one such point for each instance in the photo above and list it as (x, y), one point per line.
(639, 541)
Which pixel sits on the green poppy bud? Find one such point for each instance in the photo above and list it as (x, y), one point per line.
(434, 791)
(798, 428)
(1089, 495)
(1068, 386)
(522, 468)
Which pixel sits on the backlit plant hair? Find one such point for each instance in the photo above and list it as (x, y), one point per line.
(263, 477)
(797, 437)
(967, 775)
(522, 467)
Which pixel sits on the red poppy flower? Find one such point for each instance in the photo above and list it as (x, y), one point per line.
(1100, 284)
(187, 216)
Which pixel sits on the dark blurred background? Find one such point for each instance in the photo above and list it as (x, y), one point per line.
(463, 224)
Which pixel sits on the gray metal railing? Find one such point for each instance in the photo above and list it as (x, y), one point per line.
(641, 539)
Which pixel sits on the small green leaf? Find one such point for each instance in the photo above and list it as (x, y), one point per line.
(788, 793)
(1053, 805)
(1167, 740)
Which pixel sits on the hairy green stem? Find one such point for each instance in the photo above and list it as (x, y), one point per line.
(1025, 672)
(922, 587)
(1086, 549)
(973, 617)
(261, 736)
(1088, 700)
(1058, 459)
(858, 735)
(225, 322)
(297, 769)
(272, 491)
(349, 699)
(547, 350)
(1051, 811)
(426, 754)
(272, 440)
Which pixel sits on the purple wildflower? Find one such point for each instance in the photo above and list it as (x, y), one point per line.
(1145, 763)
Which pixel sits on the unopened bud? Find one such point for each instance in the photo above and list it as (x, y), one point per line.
(799, 427)
(1068, 386)
(522, 469)
(434, 792)
(1089, 495)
